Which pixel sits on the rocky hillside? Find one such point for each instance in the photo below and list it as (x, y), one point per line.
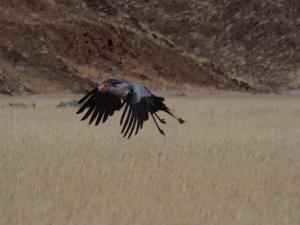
(255, 41)
(65, 46)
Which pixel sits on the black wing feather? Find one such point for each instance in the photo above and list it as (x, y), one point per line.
(133, 126)
(86, 105)
(123, 114)
(130, 123)
(100, 115)
(86, 96)
(96, 111)
(139, 113)
(99, 105)
(89, 111)
(127, 119)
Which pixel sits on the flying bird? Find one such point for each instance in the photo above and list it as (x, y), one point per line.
(114, 93)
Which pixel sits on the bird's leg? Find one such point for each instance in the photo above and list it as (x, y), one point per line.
(160, 119)
(123, 103)
(177, 118)
(159, 129)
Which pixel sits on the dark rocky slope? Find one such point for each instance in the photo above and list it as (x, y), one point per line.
(64, 46)
(255, 41)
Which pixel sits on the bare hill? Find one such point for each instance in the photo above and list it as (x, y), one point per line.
(64, 46)
(254, 41)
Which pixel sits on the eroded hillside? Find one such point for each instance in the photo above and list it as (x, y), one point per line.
(255, 41)
(65, 46)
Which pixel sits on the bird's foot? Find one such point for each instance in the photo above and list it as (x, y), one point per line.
(162, 121)
(181, 121)
(162, 132)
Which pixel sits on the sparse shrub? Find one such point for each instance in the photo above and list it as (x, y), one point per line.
(70, 103)
(21, 105)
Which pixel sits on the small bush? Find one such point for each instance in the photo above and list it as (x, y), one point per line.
(70, 103)
(21, 105)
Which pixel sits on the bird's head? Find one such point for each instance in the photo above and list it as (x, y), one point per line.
(104, 87)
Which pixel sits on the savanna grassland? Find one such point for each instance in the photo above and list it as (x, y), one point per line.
(235, 161)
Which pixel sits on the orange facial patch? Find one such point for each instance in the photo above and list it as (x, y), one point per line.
(103, 86)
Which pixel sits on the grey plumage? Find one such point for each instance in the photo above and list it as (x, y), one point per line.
(112, 94)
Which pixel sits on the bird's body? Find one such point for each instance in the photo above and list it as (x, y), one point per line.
(112, 94)
(121, 90)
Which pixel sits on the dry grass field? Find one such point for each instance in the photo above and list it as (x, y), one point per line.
(235, 161)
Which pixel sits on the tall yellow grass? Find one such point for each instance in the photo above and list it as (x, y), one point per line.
(235, 161)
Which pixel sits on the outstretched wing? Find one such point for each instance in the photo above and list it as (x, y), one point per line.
(139, 103)
(99, 106)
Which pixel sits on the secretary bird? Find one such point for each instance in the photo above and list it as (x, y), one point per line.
(112, 94)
